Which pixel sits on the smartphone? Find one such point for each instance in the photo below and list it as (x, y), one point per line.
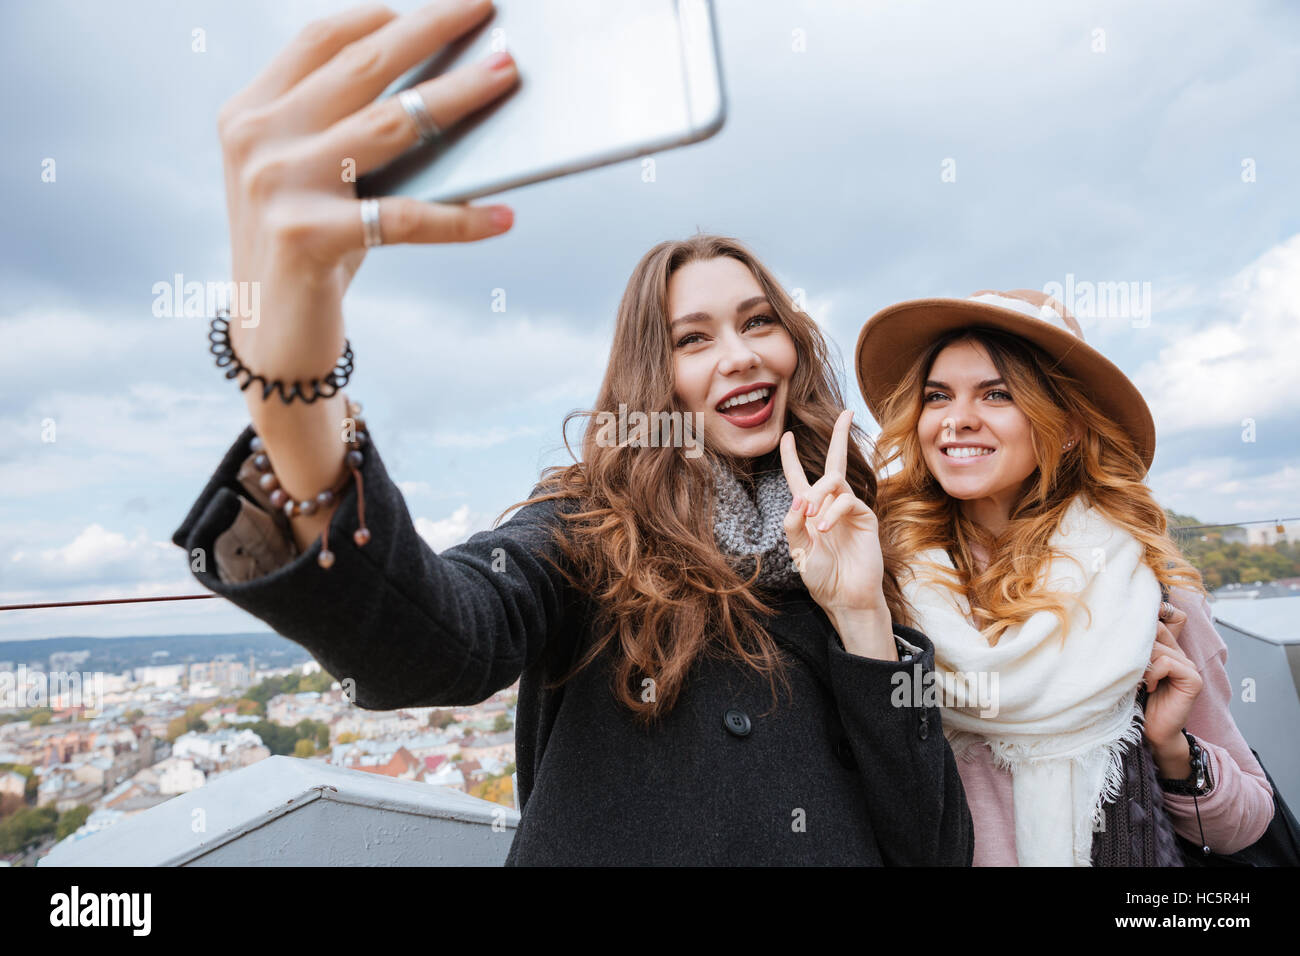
(599, 82)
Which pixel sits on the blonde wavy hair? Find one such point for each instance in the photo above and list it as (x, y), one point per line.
(916, 514)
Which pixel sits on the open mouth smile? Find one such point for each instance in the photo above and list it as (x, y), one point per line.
(748, 406)
(967, 453)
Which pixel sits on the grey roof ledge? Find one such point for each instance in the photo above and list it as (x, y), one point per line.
(286, 811)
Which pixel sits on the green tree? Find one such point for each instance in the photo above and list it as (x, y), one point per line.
(279, 740)
(42, 717)
(319, 682)
(33, 781)
(439, 719)
(271, 687)
(1252, 573)
(26, 828)
(501, 723)
(71, 820)
(183, 725)
(304, 748)
(1222, 562)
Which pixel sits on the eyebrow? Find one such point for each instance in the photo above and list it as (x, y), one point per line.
(984, 384)
(704, 316)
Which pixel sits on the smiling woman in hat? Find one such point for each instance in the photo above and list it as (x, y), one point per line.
(1036, 559)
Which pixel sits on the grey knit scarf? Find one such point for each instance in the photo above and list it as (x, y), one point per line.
(748, 524)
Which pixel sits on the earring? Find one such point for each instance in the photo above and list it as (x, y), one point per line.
(1069, 444)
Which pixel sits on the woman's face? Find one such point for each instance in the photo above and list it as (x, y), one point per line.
(975, 441)
(728, 342)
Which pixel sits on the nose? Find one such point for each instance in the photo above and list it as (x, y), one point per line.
(737, 355)
(959, 419)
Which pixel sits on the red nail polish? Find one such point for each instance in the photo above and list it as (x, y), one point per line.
(499, 61)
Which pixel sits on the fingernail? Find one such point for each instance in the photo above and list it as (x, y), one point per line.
(823, 526)
(502, 216)
(499, 61)
(797, 503)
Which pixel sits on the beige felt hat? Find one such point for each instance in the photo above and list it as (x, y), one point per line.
(896, 336)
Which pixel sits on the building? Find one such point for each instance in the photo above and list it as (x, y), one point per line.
(217, 748)
(1268, 534)
(162, 675)
(63, 791)
(12, 783)
(222, 675)
(499, 747)
(177, 775)
(402, 765)
(67, 660)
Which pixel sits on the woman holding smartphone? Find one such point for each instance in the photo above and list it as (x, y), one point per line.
(689, 694)
(1035, 558)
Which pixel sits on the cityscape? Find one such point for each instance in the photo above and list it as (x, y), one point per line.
(119, 744)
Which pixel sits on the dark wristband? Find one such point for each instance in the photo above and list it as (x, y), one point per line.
(1198, 782)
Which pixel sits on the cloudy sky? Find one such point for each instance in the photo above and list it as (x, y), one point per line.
(872, 152)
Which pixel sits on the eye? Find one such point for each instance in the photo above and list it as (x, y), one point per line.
(933, 395)
(765, 319)
(1006, 396)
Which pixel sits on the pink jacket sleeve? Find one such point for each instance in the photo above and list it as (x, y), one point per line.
(1238, 808)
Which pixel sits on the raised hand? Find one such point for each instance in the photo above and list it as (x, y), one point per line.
(1173, 684)
(293, 143)
(834, 537)
(295, 140)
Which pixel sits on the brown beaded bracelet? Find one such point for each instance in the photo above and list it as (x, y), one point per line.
(325, 499)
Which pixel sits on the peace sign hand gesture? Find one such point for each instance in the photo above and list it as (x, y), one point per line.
(834, 537)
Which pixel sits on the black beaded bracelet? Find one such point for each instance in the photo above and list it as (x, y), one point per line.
(219, 336)
(1197, 783)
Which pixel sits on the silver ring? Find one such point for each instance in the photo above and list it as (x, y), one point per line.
(415, 107)
(370, 223)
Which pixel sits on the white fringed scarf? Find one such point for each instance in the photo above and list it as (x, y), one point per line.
(1065, 710)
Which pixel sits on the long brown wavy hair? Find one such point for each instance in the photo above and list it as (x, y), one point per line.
(916, 514)
(639, 539)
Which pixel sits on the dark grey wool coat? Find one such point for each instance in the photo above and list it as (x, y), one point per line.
(834, 775)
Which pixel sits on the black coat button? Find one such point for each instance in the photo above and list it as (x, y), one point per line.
(924, 732)
(844, 753)
(737, 722)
